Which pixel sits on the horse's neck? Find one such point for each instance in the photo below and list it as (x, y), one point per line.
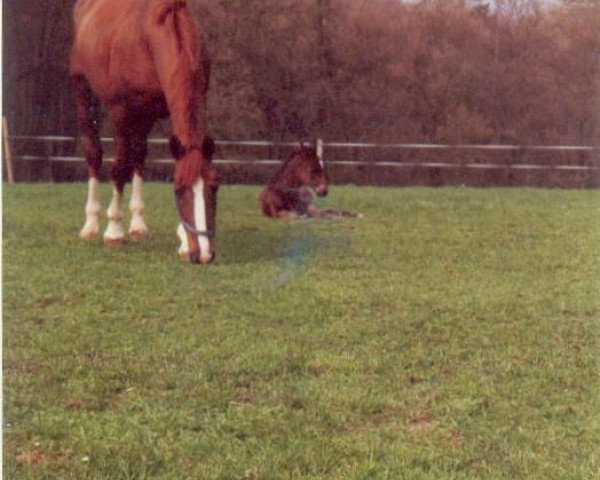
(286, 179)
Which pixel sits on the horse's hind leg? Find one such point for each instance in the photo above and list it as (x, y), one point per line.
(121, 172)
(139, 150)
(88, 117)
(130, 152)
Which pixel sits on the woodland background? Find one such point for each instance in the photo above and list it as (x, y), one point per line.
(443, 71)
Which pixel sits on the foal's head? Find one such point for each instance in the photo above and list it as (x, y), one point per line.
(304, 169)
(196, 187)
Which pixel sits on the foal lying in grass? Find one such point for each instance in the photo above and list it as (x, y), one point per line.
(290, 192)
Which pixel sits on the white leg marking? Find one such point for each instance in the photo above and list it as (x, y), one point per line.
(114, 232)
(92, 211)
(200, 217)
(137, 227)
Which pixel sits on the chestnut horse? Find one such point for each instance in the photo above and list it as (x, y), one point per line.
(143, 60)
(290, 192)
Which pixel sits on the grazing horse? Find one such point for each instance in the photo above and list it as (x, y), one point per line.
(143, 60)
(289, 194)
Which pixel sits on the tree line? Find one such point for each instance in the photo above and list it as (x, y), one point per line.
(440, 71)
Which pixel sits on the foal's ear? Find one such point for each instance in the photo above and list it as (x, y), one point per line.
(208, 148)
(177, 149)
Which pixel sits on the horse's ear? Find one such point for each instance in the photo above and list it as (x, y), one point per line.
(208, 148)
(177, 149)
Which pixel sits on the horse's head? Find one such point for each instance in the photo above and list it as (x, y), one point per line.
(309, 170)
(196, 186)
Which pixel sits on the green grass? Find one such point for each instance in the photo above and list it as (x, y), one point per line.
(448, 334)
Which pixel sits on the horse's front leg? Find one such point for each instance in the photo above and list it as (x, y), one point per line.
(328, 212)
(93, 208)
(288, 215)
(88, 118)
(115, 234)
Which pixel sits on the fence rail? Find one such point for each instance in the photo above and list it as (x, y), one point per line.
(569, 159)
(265, 143)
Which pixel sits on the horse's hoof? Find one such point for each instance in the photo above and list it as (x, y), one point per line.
(196, 259)
(87, 235)
(114, 242)
(89, 231)
(207, 259)
(138, 234)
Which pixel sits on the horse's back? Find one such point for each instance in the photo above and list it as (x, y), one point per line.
(104, 31)
(114, 8)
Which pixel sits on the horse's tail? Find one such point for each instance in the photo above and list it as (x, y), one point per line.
(174, 15)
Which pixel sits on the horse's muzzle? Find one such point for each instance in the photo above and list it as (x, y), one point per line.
(198, 259)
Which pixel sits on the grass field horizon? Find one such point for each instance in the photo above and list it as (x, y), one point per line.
(451, 333)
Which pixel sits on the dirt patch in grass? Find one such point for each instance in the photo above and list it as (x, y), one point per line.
(456, 439)
(391, 415)
(38, 457)
(424, 421)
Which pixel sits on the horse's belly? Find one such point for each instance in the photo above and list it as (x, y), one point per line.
(132, 87)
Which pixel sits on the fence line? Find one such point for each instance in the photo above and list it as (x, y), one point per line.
(323, 146)
(67, 159)
(232, 161)
(433, 146)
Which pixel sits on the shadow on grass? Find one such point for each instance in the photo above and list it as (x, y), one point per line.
(251, 245)
(292, 243)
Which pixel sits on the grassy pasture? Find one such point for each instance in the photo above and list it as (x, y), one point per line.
(448, 334)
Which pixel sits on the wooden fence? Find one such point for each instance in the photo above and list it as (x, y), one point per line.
(58, 158)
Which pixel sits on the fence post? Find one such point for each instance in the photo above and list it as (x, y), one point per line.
(10, 173)
(320, 151)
